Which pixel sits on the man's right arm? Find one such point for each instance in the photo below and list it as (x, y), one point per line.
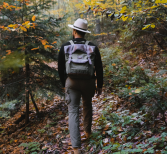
(61, 66)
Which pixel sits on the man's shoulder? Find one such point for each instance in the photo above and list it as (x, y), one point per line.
(65, 44)
(92, 44)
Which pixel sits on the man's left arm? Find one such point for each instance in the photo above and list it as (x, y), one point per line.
(61, 66)
(99, 71)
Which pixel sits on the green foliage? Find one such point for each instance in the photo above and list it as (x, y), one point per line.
(29, 36)
(133, 130)
(41, 131)
(31, 147)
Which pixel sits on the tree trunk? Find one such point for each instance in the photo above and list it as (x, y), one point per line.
(27, 91)
(33, 101)
(97, 29)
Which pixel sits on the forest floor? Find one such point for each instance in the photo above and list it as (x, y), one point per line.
(50, 134)
(118, 127)
(51, 130)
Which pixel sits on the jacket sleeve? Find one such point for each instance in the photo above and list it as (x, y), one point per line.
(61, 66)
(98, 68)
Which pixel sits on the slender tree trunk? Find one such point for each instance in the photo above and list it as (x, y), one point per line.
(33, 101)
(27, 91)
(27, 75)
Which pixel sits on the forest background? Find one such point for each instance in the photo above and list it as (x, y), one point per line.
(131, 35)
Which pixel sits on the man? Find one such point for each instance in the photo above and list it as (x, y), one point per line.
(75, 88)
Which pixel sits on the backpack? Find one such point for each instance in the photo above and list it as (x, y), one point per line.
(79, 59)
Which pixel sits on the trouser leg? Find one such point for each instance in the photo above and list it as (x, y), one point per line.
(73, 109)
(87, 94)
(87, 114)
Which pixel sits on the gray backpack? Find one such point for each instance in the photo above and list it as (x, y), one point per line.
(79, 60)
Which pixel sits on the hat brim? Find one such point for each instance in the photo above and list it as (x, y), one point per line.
(85, 31)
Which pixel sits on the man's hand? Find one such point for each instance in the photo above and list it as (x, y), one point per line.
(98, 91)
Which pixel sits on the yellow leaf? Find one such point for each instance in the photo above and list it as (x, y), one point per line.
(54, 42)
(11, 26)
(137, 91)
(26, 24)
(44, 42)
(152, 26)
(124, 18)
(8, 52)
(161, 1)
(35, 48)
(33, 18)
(5, 5)
(123, 9)
(146, 26)
(48, 46)
(23, 28)
(18, 8)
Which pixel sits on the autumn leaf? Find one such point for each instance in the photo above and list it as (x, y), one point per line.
(48, 46)
(33, 18)
(146, 26)
(161, 1)
(5, 5)
(2, 27)
(44, 42)
(124, 18)
(26, 24)
(8, 52)
(23, 28)
(54, 42)
(152, 26)
(35, 48)
(137, 90)
(123, 9)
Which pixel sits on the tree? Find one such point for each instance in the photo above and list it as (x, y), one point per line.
(28, 42)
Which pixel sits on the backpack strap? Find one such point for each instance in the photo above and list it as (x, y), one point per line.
(87, 42)
(88, 54)
(71, 41)
(69, 60)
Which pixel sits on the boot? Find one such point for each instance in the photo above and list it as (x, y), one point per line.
(77, 151)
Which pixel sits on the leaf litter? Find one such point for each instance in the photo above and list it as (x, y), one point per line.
(114, 129)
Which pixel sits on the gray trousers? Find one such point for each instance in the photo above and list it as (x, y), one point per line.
(74, 89)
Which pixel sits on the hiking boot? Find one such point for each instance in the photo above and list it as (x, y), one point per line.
(77, 151)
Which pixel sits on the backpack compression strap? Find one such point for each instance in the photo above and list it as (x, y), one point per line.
(87, 42)
(88, 54)
(72, 43)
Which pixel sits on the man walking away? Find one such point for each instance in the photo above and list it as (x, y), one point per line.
(78, 62)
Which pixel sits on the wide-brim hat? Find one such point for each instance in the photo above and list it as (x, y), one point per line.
(81, 25)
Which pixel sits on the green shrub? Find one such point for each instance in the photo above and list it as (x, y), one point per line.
(31, 147)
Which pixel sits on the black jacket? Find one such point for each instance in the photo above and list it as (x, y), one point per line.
(98, 63)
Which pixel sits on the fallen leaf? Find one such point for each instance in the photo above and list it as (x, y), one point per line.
(137, 90)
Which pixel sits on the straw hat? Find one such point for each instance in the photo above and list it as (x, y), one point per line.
(81, 25)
